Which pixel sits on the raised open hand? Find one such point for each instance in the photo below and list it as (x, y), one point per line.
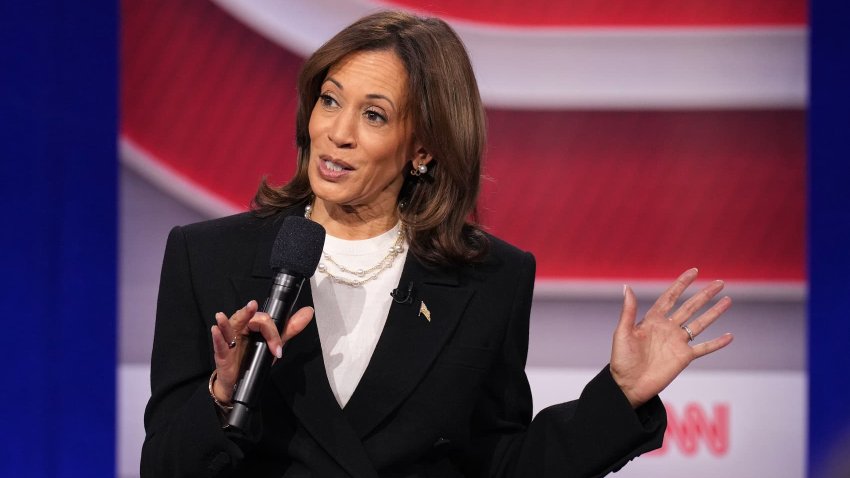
(647, 356)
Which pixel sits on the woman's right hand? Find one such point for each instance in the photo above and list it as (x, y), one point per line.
(229, 341)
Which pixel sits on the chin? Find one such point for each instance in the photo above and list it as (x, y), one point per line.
(331, 193)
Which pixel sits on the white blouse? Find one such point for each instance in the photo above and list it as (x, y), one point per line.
(350, 319)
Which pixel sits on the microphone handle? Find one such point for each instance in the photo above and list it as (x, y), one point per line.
(257, 361)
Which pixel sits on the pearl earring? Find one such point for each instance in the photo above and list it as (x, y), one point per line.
(419, 170)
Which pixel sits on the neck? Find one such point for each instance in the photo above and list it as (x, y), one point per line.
(352, 222)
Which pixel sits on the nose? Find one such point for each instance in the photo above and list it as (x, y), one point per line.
(342, 131)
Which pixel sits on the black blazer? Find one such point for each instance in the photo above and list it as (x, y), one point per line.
(445, 398)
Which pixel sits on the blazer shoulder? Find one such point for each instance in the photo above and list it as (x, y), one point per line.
(228, 243)
(504, 252)
(234, 224)
(503, 262)
(238, 229)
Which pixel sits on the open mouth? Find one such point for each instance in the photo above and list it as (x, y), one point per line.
(332, 168)
(336, 167)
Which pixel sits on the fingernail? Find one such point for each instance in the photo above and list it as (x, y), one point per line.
(625, 287)
(278, 352)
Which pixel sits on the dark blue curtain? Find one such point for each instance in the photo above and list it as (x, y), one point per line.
(58, 117)
(829, 240)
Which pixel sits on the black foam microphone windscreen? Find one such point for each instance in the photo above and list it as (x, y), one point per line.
(298, 246)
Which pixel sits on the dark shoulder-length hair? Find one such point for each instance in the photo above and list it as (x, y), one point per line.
(438, 209)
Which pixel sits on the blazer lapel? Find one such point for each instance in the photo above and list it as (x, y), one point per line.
(301, 378)
(408, 345)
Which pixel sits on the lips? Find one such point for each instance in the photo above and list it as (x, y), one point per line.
(333, 168)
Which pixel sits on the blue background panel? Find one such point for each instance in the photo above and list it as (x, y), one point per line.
(829, 240)
(58, 112)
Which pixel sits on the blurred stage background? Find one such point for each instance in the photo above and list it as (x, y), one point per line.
(626, 145)
(628, 141)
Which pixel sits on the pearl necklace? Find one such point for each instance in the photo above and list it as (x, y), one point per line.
(372, 272)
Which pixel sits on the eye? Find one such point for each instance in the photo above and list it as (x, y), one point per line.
(327, 101)
(374, 117)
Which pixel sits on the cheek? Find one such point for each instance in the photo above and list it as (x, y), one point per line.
(397, 152)
(391, 166)
(313, 125)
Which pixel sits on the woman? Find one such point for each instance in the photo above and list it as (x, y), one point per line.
(430, 381)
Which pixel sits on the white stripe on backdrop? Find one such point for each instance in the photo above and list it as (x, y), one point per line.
(599, 68)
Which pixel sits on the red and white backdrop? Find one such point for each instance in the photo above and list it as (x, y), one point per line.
(628, 140)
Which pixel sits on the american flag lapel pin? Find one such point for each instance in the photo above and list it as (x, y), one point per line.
(423, 310)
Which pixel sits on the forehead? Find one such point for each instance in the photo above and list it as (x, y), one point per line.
(371, 72)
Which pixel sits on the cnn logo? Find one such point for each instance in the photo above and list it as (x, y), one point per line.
(694, 425)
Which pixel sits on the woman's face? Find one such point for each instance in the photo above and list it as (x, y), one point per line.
(360, 137)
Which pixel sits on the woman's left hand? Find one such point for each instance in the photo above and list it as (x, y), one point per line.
(647, 356)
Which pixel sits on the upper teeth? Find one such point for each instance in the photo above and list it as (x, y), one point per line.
(332, 166)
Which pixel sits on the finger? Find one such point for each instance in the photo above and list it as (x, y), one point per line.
(220, 347)
(243, 315)
(297, 323)
(226, 374)
(703, 321)
(629, 312)
(262, 323)
(696, 302)
(224, 327)
(712, 345)
(668, 299)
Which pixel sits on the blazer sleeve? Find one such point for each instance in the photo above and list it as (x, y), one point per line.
(588, 437)
(183, 432)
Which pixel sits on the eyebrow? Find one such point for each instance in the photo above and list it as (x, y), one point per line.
(370, 95)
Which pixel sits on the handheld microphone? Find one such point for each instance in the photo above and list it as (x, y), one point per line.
(295, 255)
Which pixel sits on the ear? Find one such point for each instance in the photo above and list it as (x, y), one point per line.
(420, 154)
